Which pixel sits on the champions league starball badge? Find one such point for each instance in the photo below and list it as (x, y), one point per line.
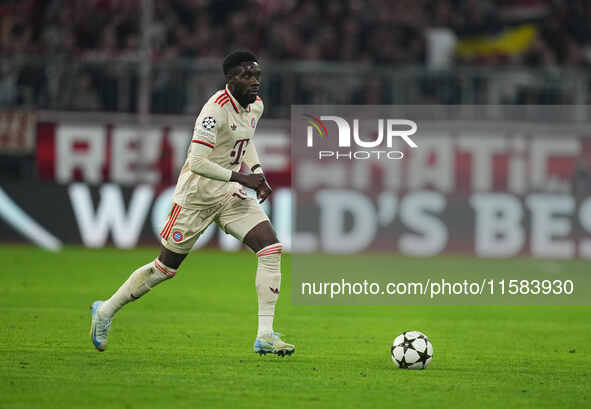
(208, 122)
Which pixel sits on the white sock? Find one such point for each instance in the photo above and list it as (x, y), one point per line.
(139, 283)
(268, 283)
(265, 325)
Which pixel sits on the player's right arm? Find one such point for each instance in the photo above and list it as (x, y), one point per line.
(204, 139)
(209, 121)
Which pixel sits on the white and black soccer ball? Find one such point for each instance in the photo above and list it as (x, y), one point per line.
(412, 350)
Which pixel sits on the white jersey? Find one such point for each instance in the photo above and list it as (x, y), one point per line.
(226, 127)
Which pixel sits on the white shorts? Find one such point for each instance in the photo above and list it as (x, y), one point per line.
(236, 214)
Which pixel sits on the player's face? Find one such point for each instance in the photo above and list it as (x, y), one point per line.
(247, 81)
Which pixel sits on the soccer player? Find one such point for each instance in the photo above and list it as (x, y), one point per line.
(209, 189)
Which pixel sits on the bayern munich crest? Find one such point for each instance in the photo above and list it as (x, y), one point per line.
(208, 122)
(177, 236)
(253, 123)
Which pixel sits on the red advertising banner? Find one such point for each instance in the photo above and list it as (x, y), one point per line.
(98, 152)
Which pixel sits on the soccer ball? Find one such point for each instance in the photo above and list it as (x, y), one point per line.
(412, 350)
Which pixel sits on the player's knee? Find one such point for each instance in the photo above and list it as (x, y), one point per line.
(170, 259)
(261, 236)
(269, 238)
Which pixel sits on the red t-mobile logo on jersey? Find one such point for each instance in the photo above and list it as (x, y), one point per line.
(239, 150)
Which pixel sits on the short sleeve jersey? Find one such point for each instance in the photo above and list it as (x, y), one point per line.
(227, 128)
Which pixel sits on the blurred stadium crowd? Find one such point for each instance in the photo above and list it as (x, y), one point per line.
(84, 55)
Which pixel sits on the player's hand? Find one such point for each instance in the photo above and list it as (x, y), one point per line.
(253, 181)
(263, 191)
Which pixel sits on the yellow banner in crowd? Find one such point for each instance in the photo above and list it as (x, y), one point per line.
(512, 41)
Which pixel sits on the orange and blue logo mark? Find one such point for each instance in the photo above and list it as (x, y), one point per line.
(177, 236)
(253, 122)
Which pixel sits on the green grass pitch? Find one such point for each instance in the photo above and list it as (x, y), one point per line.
(188, 343)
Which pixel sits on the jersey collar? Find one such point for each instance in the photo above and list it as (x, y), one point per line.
(237, 107)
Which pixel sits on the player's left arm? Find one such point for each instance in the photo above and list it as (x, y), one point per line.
(251, 159)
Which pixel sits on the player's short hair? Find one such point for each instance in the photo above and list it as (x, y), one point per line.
(236, 58)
